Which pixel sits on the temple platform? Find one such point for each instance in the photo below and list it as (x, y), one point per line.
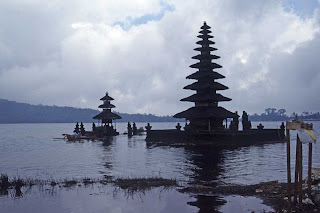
(219, 138)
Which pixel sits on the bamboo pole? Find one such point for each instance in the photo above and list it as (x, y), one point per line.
(288, 169)
(309, 170)
(300, 170)
(296, 175)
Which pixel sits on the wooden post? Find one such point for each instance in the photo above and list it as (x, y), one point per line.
(294, 125)
(300, 170)
(296, 175)
(288, 170)
(309, 170)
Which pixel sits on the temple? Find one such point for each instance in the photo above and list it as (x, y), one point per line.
(106, 116)
(206, 117)
(206, 114)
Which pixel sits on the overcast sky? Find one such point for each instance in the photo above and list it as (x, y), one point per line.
(70, 52)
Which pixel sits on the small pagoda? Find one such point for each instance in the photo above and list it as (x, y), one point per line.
(106, 116)
(206, 114)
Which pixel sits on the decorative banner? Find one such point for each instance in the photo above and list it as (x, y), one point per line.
(311, 133)
(306, 136)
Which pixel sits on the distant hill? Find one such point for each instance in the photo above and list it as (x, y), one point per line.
(14, 112)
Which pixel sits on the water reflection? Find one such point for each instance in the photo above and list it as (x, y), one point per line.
(207, 203)
(206, 160)
(3, 192)
(204, 168)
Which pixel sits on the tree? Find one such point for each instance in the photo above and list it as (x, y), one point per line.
(305, 114)
(282, 112)
(268, 111)
(273, 111)
(293, 115)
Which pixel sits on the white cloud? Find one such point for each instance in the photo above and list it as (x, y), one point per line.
(71, 52)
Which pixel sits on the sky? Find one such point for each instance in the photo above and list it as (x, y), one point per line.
(70, 52)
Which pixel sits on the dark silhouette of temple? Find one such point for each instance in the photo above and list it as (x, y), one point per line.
(206, 114)
(106, 116)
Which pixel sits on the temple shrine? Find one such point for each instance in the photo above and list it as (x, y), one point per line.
(206, 114)
(205, 120)
(106, 117)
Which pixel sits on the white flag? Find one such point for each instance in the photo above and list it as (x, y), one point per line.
(306, 136)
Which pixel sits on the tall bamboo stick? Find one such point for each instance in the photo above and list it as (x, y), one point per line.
(300, 170)
(296, 175)
(288, 170)
(309, 170)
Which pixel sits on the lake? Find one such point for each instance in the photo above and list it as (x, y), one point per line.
(30, 151)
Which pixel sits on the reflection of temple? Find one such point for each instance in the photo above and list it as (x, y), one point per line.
(207, 162)
(206, 114)
(106, 116)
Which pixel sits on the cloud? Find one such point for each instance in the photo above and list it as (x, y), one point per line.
(72, 52)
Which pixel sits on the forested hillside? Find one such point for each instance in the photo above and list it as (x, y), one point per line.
(13, 112)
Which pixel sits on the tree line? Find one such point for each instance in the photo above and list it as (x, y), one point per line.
(13, 112)
(273, 114)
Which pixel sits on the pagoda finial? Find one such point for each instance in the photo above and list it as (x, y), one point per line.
(204, 23)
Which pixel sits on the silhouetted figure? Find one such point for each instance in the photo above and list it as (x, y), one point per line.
(76, 129)
(236, 121)
(93, 126)
(246, 124)
(134, 128)
(186, 127)
(129, 129)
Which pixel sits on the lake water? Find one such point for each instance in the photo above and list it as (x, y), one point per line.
(30, 150)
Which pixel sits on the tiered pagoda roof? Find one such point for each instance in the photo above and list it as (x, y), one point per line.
(206, 98)
(106, 115)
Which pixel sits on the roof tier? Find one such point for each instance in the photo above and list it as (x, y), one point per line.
(206, 97)
(106, 106)
(106, 98)
(107, 115)
(205, 36)
(205, 112)
(205, 56)
(205, 31)
(206, 65)
(205, 26)
(205, 85)
(205, 49)
(205, 74)
(205, 42)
